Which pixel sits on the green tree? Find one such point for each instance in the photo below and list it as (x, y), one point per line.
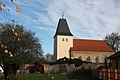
(17, 46)
(113, 40)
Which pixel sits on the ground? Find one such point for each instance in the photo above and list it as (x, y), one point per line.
(51, 77)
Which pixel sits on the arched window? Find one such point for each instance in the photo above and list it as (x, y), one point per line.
(88, 59)
(80, 57)
(97, 59)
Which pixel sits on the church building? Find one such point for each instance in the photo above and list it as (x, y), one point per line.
(87, 50)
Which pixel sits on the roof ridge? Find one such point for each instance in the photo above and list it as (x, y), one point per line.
(88, 39)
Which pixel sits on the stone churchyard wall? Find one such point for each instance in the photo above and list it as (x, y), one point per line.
(59, 68)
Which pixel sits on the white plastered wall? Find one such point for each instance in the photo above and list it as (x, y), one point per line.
(92, 54)
(62, 47)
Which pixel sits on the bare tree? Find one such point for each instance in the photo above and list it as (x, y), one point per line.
(5, 9)
(113, 40)
(49, 57)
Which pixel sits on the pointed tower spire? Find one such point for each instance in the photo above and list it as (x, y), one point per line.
(63, 28)
(63, 15)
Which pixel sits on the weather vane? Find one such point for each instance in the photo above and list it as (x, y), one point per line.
(62, 15)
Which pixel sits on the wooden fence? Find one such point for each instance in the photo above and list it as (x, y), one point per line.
(107, 74)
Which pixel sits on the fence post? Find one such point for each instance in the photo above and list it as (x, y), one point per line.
(108, 74)
(102, 74)
(118, 74)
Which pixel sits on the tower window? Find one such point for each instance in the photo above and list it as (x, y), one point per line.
(65, 50)
(63, 39)
(66, 39)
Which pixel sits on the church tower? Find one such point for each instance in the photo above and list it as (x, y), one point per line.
(63, 40)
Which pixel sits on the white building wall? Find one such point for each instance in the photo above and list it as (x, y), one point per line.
(62, 46)
(92, 54)
(55, 48)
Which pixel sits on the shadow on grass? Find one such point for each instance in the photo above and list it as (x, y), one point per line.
(81, 75)
(2, 78)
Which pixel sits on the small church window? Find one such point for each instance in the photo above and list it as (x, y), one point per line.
(97, 59)
(66, 39)
(63, 39)
(65, 50)
(88, 59)
(80, 57)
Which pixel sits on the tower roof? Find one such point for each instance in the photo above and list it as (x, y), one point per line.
(62, 28)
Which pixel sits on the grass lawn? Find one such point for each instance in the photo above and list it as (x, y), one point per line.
(51, 77)
(41, 77)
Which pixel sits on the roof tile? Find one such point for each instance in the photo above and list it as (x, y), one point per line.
(90, 45)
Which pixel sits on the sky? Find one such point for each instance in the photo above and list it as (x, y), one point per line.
(87, 19)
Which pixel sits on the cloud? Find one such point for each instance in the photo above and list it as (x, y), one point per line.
(86, 18)
(91, 19)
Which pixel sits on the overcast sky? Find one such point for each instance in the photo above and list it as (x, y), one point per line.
(87, 19)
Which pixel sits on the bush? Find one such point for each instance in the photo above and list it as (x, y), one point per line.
(103, 67)
(76, 62)
(37, 68)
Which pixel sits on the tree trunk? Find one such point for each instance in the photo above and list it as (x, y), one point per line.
(10, 71)
(11, 77)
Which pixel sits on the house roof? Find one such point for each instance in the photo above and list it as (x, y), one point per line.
(116, 55)
(90, 45)
(62, 28)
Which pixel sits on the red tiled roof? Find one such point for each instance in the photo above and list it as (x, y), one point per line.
(90, 45)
